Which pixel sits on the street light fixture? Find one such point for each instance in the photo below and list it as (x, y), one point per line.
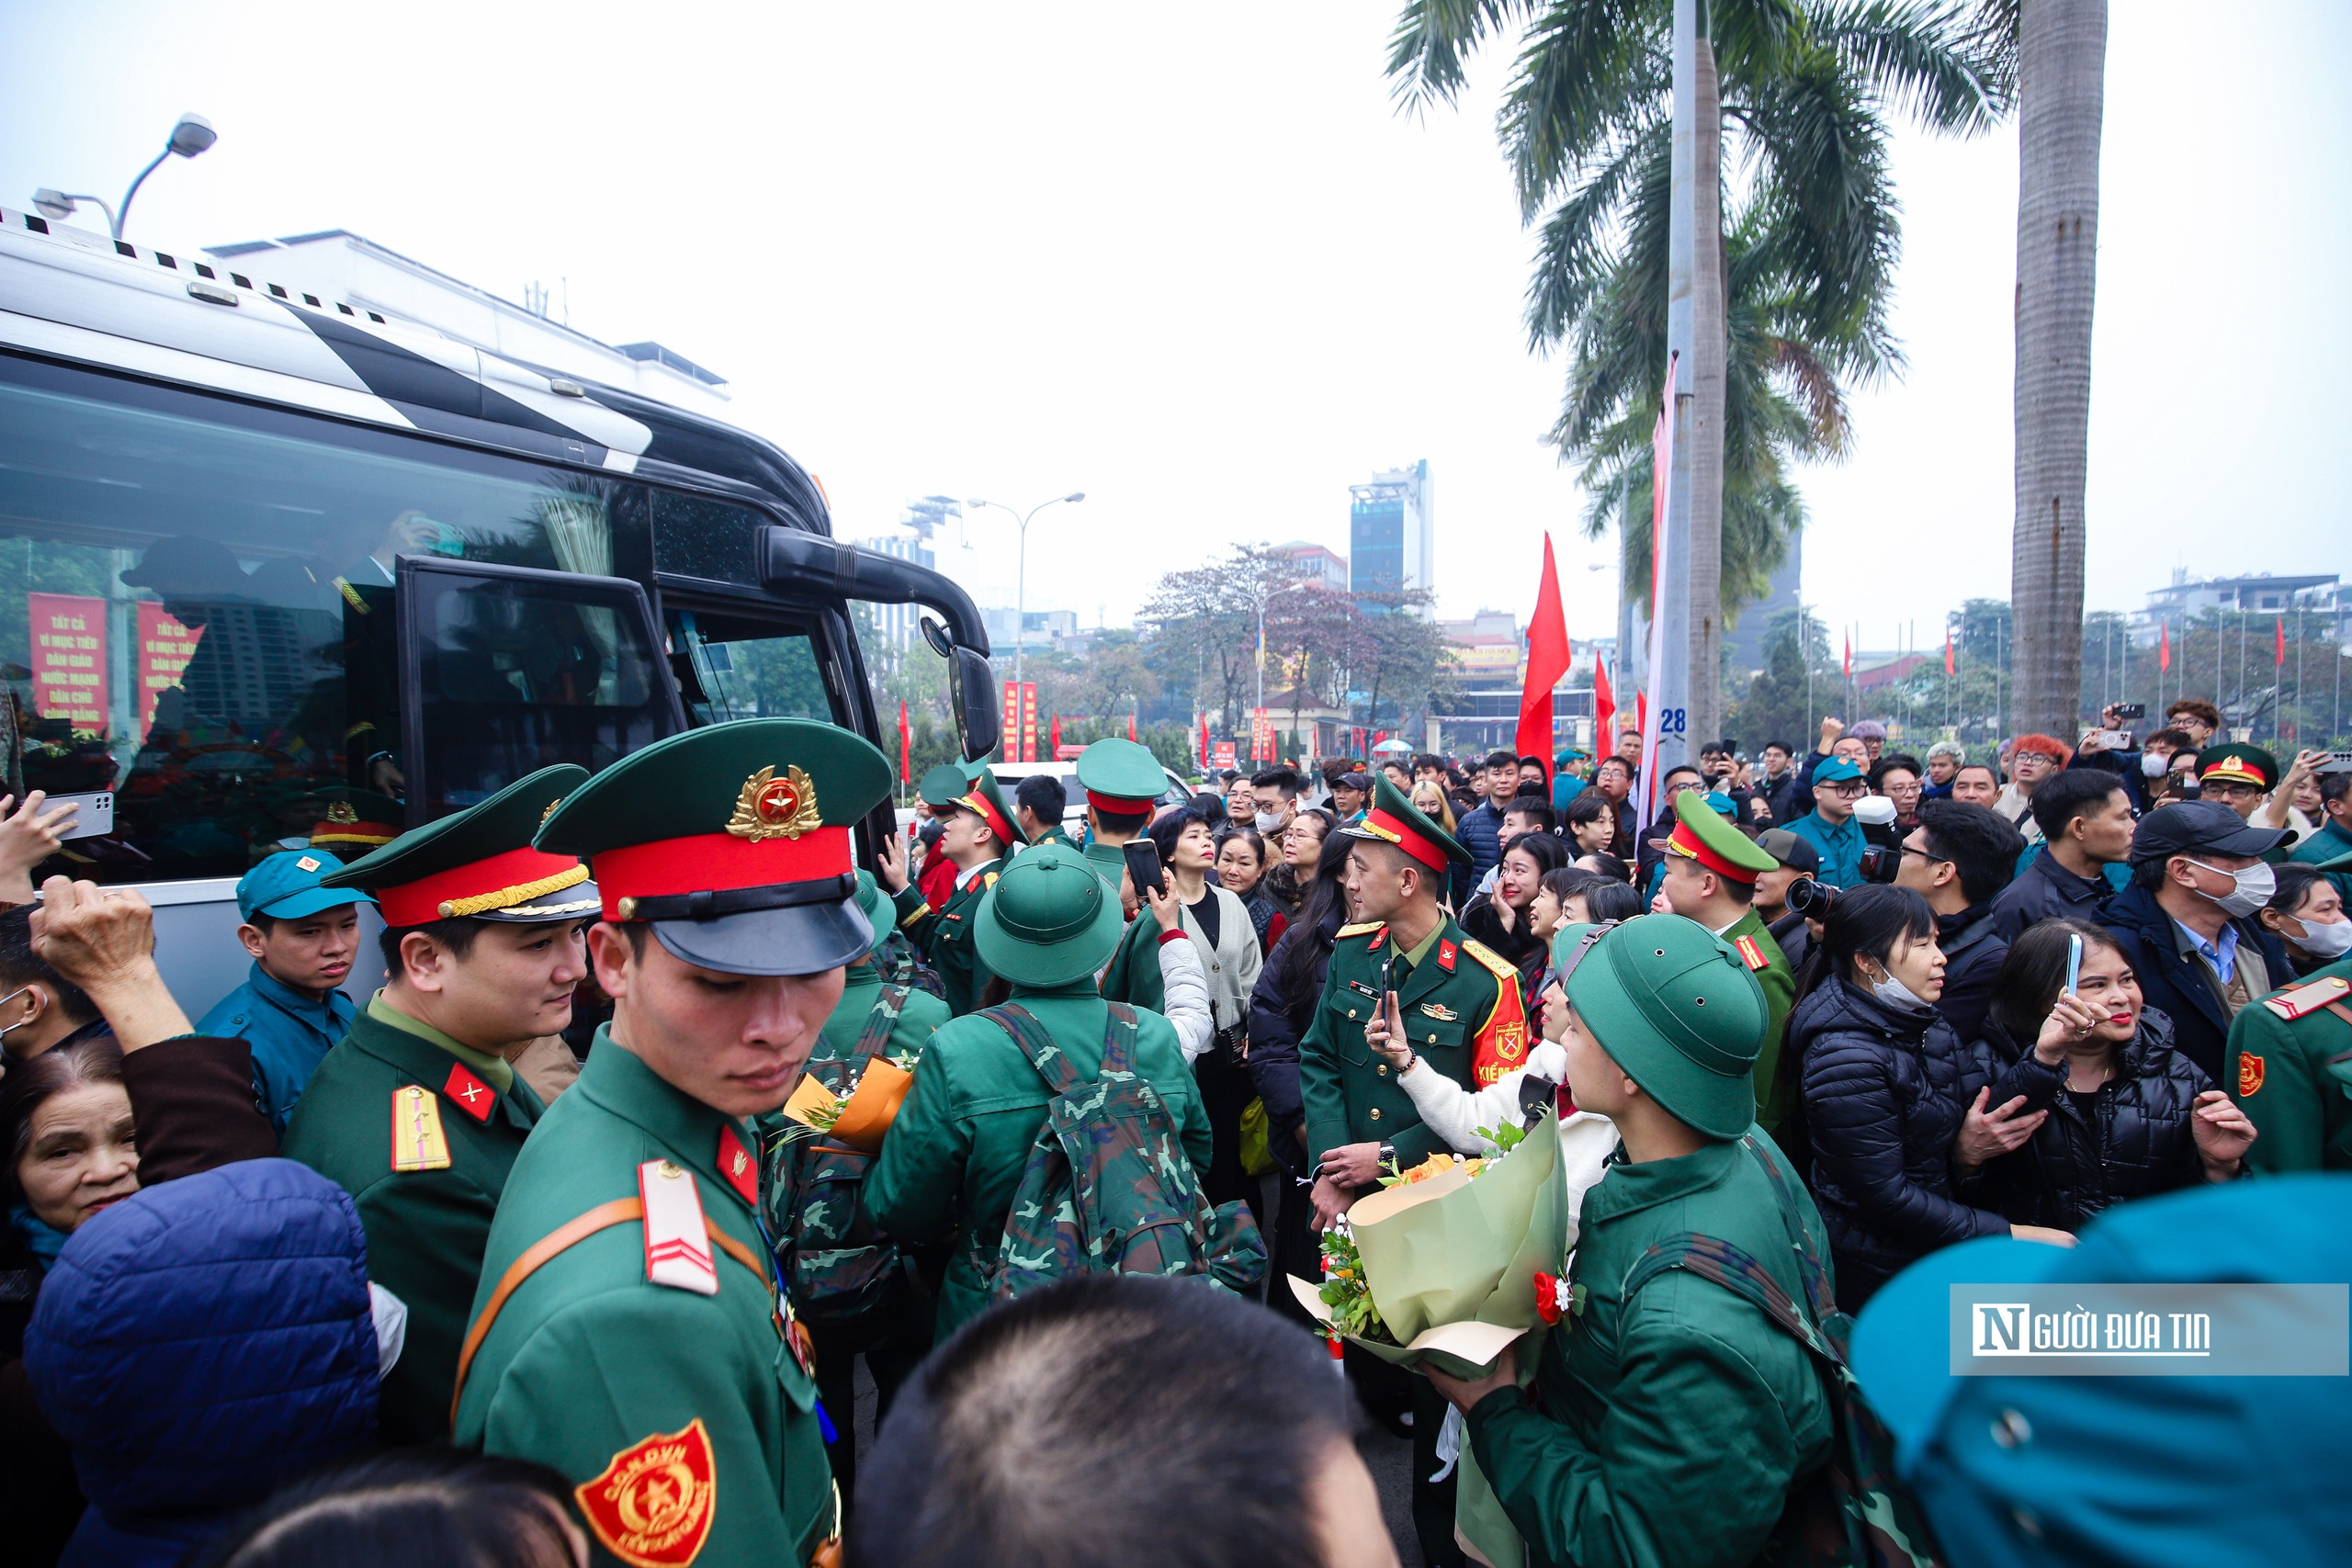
(191, 135)
(1020, 570)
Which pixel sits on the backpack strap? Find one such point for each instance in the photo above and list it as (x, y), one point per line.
(1820, 1295)
(1119, 1040)
(1037, 1042)
(879, 1023)
(1718, 1260)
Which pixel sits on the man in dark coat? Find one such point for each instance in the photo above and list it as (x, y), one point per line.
(2085, 821)
(1958, 858)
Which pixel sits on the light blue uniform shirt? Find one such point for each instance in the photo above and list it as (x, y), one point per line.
(289, 1033)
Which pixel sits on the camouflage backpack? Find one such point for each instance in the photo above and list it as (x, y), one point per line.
(1854, 1512)
(1108, 1187)
(837, 1265)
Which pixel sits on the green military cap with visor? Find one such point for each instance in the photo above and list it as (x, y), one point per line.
(1675, 1007)
(1121, 777)
(479, 863)
(1395, 819)
(2238, 763)
(1048, 921)
(984, 798)
(1703, 835)
(733, 843)
(943, 786)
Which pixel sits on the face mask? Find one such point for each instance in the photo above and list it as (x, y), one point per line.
(1269, 821)
(2153, 765)
(1894, 993)
(2255, 885)
(2331, 940)
(20, 991)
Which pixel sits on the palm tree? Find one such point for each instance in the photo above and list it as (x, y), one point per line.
(2062, 63)
(1804, 86)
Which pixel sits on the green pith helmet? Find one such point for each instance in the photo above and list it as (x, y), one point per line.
(1120, 776)
(1048, 921)
(1675, 1007)
(733, 843)
(479, 863)
(1395, 819)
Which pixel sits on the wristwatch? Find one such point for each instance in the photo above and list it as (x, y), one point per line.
(1388, 1154)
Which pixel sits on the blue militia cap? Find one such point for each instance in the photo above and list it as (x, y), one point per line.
(286, 887)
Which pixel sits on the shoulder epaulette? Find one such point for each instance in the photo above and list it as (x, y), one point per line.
(2301, 1002)
(418, 1142)
(677, 1241)
(1751, 952)
(987, 879)
(1488, 957)
(1362, 928)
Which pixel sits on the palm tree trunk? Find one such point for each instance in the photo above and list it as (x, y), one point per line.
(1708, 349)
(2062, 63)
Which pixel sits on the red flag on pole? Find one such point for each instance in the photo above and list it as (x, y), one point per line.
(906, 746)
(2278, 654)
(1548, 666)
(1131, 726)
(1056, 742)
(1205, 743)
(1849, 656)
(1604, 712)
(1948, 668)
(2164, 648)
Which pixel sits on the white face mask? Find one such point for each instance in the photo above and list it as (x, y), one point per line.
(2255, 885)
(2331, 940)
(35, 1012)
(1894, 993)
(2154, 764)
(1268, 821)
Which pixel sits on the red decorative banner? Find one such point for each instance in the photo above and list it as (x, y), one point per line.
(69, 655)
(1028, 721)
(1011, 740)
(165, 648)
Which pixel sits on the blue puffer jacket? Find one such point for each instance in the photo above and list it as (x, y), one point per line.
(200, 1344)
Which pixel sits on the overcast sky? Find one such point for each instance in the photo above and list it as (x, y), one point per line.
(1191, 262)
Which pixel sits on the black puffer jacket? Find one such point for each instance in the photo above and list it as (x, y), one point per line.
(1882, 1104)
(1281, 1010)
(2135, 1143)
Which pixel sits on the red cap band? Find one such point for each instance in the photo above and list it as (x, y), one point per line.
(1406, 837)
(715, 863)
(978, 803)
(1117, 804)
(419, 903)
(1684, 841)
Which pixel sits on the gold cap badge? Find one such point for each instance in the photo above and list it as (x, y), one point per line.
(772, 807)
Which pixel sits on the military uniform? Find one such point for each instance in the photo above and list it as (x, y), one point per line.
(2293, 1076)
(944, 935)
(1703, 836)
(2241, 764)
(421, 1129)
(628, 1331)
(289, 1032)
(1123, 778)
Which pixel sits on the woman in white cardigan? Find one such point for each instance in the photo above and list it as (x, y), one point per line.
(1226, 945)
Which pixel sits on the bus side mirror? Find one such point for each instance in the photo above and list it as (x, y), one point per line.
(972, 687)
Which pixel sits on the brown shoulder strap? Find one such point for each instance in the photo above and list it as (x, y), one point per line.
(604, 1216)
(2340, 1010)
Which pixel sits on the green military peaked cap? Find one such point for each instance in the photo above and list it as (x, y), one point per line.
(1395, 819)
(1120, 776)
(2238, 762)
(479, 863)
(355, 821)
(1048, 921)
(1675, 1007)
(943, 786)
(733, 843)
(983, 797)
(1702, 834)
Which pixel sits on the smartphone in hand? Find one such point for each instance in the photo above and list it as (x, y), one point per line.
(1143, 865)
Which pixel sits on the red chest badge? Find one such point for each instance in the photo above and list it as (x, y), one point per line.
(737, 1168)
(478, 1098)
(653, 1505)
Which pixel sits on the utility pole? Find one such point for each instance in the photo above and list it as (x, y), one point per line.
(1669, 676)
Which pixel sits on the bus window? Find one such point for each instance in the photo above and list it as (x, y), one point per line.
(736, 667)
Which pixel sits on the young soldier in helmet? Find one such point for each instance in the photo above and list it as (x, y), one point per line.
(628, 1332)
(418, 1113)
(977, 832)
(1459, 1007)
(1670, 1417)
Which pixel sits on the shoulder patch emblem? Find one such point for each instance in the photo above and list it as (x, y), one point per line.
(418, 1142)
(737, 1167)
(1360, 928)
(677, 1241)
(2249, 1073)
(1445, 954)
(1379, 937)
(1487, 957)
(653, 1505)
(1751, 953)
(477, 1098)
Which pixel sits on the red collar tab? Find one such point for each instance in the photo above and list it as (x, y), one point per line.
(477, 1099)
(978, 803)
(737, 1168)
(496, 883)
(717, 863)
(1118, 805)
(1406, 837)
(1378, 938)
(1689, 845)
(1445, 954)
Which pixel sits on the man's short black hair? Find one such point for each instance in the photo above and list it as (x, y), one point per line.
(1430, 759)
(1128, 822)
(1536, 808)
(1064, 1428)
(2071, 793)
(20, 966)
(1502, 759)
(1285, 781)
(457, 936)
(1980, 843)
(1536, 763)
(1891, 759)
(1786, 749)
(1044, 795)
(2332, 786)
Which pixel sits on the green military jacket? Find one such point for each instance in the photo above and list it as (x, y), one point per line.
(1056, 835)
(426, 1226)
(2330, 841)
(920, 1014)
(2294, 1082)
(1752, 939)
(1666, 1431)
(686, 1421)
(1109, 860)
(1449, 1001)
(954, 1156)
(944, 936)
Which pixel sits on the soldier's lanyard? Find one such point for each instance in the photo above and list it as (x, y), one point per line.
(786, 1327)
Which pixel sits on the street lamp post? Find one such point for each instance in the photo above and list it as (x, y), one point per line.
(1020, 571)
(191, 135)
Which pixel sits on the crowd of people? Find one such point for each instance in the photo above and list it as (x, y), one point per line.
(565, 1245)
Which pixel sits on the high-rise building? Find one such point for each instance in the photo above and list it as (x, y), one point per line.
(910, 541)
(1392, 541)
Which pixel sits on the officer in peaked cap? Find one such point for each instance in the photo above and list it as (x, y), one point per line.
(2239, 776)
(418, 1113)
(978, 831)
(628, 1331)
(1673, 1385)
(357, 821)
(940, 789)
(1122, 782)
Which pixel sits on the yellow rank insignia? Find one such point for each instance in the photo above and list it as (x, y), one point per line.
(418, 1142)
(1752, 954)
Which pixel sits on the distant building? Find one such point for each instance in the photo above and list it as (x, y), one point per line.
(1319, 566)
(1491, 669)
(2183, 599)
(1745, 639)
(1039, 628)
(1392, 539)
(910, 540)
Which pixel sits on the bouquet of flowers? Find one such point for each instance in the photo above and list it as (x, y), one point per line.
(862, 1111)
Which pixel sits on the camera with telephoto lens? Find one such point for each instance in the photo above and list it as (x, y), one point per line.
(1879, 862)
(1811, 899)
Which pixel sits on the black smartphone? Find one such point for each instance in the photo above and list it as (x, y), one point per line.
(1143, 864)
(2130, 710)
